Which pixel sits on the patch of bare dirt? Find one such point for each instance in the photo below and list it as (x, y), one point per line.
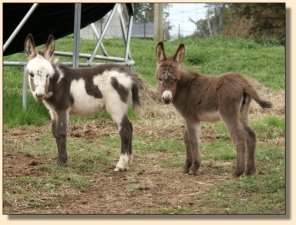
(92, 129)
(143, 192)
(145, 188)
(17, 164)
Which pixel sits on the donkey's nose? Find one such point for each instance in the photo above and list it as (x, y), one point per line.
(39, 96)
(167, 96)
(166, 101)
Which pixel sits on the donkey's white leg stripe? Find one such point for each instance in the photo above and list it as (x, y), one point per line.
(122, 163)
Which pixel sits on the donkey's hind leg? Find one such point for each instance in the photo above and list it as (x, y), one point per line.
(250, 137)
(251, 147)
(231, 117)
(118, 112)
(125, 132)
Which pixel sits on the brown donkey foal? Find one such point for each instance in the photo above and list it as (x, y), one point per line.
(200, 98)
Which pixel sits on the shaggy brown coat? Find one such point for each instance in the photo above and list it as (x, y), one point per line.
(202, 98)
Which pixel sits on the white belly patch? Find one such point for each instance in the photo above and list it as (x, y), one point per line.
(84, 104)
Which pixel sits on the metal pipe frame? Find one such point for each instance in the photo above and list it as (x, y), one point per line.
(77, 21)
(91, 57)
(75, 63)
(19, 27)
(25, 88)
(129, 63)
(98, 37)
(103, 33)
(123, 29)
(127, 47)
(84, 55)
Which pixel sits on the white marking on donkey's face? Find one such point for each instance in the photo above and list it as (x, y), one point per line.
(167, 96)
(39, 72)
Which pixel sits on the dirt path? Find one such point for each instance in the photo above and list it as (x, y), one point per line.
(145, 188)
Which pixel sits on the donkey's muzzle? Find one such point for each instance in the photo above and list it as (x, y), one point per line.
(167, 97)
(39, 97)
(166, 101)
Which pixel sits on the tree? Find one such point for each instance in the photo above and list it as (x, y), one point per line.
(201, 29)
(214, 17)
(248, 20)
(143, 12)
(212, 25)
(167, 25)
(265, 20)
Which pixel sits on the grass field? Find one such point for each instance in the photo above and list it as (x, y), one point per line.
(33, 183)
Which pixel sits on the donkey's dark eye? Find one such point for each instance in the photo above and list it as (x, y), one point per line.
(31, 74)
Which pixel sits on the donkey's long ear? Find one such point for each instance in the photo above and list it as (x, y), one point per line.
(49, 47)
(30, 47)
(179, 56)
(160, 55)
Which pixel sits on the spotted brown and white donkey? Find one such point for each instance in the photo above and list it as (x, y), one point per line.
(201, 98)
(83, 91)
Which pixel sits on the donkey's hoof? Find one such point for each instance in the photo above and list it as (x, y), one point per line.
(238, 173)
(186, 169)
(187, 166)
(249, 172)
(193, 171)
(117, 169)
(62, 162)
(123, 163)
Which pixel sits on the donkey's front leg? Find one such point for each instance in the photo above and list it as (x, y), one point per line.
(125, 132)
(193, 129)
(59, 130)
(188, 161)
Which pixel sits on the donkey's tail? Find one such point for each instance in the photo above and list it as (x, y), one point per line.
(136, 99)
(249, 90)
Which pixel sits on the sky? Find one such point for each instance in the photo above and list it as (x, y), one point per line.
(179, 14)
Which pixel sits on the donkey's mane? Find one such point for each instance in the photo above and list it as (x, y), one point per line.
(188, 75)
(53, 60)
